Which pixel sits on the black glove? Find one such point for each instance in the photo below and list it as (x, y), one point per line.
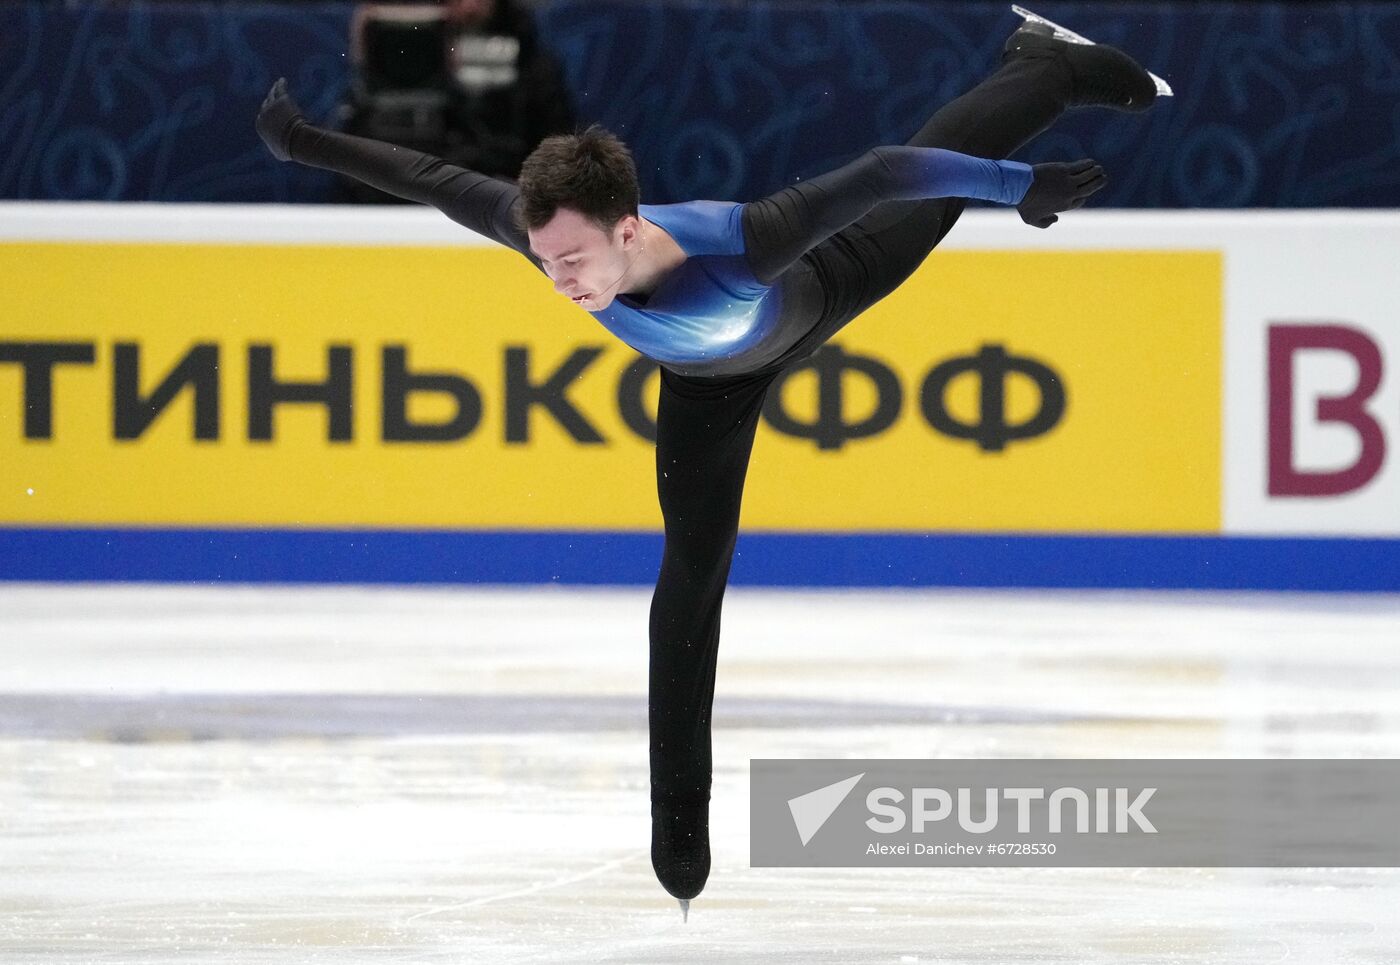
(1059, 187)
(278, 117)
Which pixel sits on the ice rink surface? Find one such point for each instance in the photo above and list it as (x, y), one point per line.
(459, 775)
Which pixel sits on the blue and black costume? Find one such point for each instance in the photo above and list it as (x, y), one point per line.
(744, 298)
(765, 285)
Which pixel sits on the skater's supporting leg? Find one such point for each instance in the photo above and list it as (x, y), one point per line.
(705, 431)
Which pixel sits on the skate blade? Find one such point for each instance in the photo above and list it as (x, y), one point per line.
(685, 909)
(1070, 37)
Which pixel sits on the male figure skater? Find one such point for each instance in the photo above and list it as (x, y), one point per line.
(724, 297)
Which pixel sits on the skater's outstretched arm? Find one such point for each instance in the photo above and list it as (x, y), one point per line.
(778, 229)
(483, 204)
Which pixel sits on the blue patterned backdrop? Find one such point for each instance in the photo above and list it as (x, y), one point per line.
(1289, 104)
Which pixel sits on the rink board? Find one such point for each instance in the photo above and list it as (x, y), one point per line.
(761, 559)
(1125, 400)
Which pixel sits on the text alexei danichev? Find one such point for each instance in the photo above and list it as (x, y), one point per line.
(921, 848)
(997, 849)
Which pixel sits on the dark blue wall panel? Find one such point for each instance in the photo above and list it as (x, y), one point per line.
(155, 102)
(1281, 104)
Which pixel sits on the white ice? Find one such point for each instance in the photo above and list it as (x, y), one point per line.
(244, 775)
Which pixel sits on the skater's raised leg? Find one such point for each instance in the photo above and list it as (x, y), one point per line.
(1039, 78)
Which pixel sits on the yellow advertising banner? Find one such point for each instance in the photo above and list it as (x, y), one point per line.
(299, 385)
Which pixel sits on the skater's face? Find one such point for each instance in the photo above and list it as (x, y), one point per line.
(588, 265)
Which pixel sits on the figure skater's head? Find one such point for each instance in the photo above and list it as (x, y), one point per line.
(579, 207)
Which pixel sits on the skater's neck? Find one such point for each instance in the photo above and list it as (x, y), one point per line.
(660, 256)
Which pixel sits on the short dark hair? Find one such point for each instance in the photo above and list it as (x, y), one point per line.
(591, 172)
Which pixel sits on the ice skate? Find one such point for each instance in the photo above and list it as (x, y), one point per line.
(680, 850)
(1104, 76)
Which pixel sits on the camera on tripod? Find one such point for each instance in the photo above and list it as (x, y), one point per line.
(412, 66)
(399, 89)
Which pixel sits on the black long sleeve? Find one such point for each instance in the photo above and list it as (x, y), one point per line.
(780, 228)
(481, 203)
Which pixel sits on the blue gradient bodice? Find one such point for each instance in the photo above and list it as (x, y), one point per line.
(712, 313)
(711, 307)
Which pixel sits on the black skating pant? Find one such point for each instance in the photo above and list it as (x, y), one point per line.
(705, 426)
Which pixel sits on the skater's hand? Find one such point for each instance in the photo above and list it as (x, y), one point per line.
(1059, 187)
(278, 118)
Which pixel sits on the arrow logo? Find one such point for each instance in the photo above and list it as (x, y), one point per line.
(811, 810)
